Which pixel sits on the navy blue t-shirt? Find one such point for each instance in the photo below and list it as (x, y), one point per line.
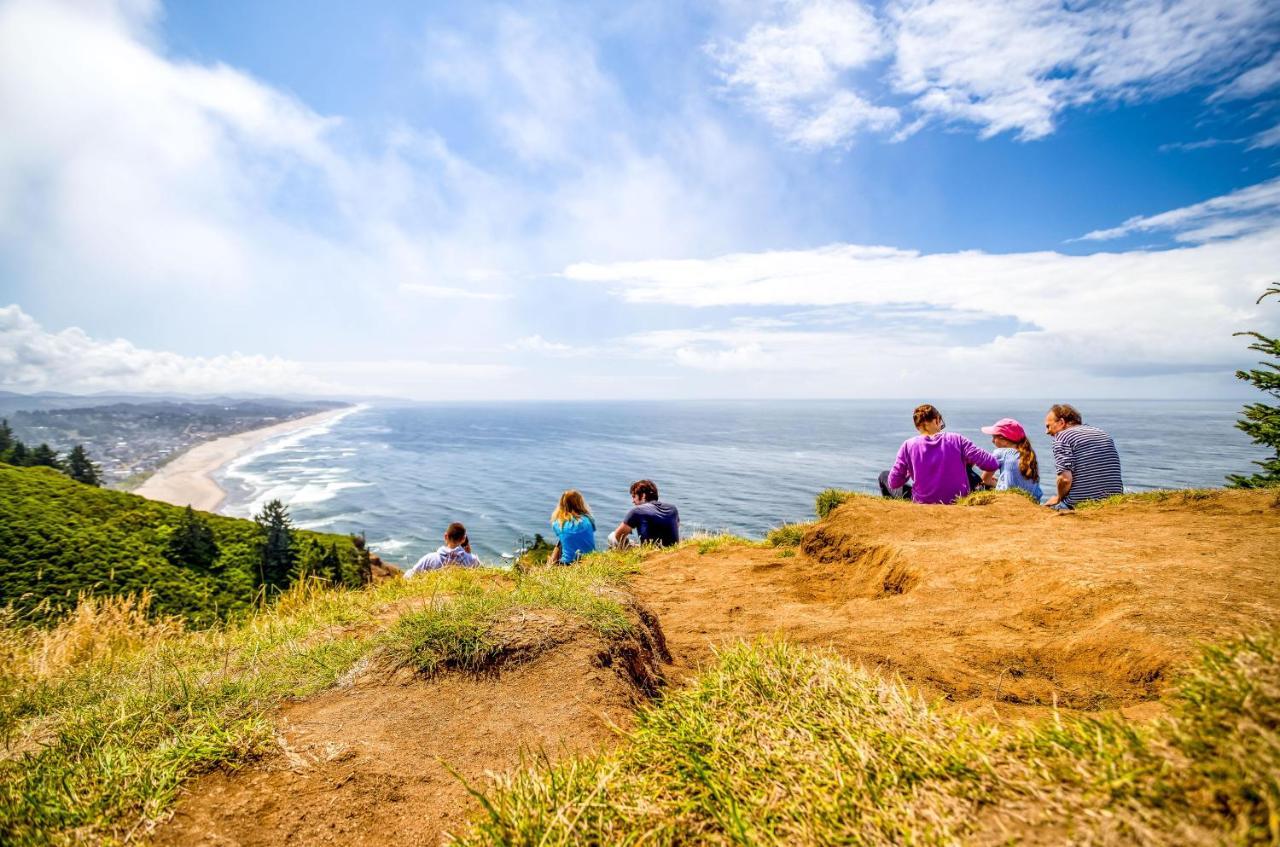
(656, 522)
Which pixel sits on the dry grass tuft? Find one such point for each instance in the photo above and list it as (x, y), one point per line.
(97, 628)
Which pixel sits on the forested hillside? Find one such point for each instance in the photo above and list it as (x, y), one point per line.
(59, 538)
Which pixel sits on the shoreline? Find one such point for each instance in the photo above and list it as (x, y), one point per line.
(187, 480)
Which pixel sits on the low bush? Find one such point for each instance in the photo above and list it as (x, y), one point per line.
(829, 499)
(787, 535)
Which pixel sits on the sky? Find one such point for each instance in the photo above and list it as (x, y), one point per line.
(916, 199)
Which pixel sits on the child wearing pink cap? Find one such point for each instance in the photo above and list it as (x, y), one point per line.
(1018, 465)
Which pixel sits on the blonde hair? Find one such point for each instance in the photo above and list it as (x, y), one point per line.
(1027, 464)
(571, 506)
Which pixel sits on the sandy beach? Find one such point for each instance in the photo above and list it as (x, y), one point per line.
(188, 479)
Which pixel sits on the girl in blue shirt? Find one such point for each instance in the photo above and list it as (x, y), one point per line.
(1018, 465)
(574, 527)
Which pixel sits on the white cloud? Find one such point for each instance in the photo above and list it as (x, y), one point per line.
(1266, 138)
(445, 292)
(1015, 65)
(127, 174)
(540, 345)
(1000, 65)
(1105, 314)
(793, 70)
(538, 80)
(1246, 210)
(1251, 83)
(35, 359)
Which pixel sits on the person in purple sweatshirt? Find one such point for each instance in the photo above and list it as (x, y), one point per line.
(935, 462)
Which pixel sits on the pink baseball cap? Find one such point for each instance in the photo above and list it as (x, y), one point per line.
(1007, 428)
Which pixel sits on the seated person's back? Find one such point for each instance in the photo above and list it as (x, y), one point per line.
(456, 550)
(935, 461)
(654, 522)
(1019, 467)
(574, 527)
(1087, 459)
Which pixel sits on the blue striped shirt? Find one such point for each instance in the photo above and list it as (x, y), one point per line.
(1090, 456)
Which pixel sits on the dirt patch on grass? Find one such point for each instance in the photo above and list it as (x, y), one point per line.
(377, 760)
(999, 606)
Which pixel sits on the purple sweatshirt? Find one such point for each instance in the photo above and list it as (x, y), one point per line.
(936, 466)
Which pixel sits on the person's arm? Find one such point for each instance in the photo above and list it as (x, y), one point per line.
(418, 567)
(975, 455)
(1064, 488)
(620, 533)
(989, 478)
(901, 470)
(1063, 460)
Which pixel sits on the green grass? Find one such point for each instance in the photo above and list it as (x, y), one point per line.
(831, 498)
(1180, 496)
(787, 535)
(779, 745)
(457, 628)
(986, 497)
(100, 744)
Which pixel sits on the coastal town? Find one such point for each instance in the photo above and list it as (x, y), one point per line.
(130, 441)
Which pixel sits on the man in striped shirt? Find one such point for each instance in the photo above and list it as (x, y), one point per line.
(1088, 464)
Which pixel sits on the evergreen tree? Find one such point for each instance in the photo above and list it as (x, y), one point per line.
(17, 454)
(192, 544)
(43, 456)
(6, 439)
(1261, 421)
(364, 560)
(331, 566)
(81, 469)
(279, 553)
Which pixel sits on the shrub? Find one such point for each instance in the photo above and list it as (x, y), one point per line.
(787, 535)
(831, 498)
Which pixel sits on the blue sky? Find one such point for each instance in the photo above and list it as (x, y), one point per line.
(806, 198)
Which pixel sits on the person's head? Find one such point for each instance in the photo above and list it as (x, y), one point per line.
(928, 419)
(455, 535)
(1061, 416)
(1007, 432)
(571, 506)
(644, 491)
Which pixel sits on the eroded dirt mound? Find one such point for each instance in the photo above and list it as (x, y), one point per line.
(1004, 603)
(370, 761)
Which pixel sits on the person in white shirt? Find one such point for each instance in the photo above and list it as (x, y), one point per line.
(456, 551)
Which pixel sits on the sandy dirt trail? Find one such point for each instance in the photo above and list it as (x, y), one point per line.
(997, 605)
(377, 760)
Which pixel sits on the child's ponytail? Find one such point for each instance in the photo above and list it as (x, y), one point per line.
(1027, 463)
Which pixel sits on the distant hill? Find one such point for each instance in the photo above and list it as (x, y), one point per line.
(58, 538)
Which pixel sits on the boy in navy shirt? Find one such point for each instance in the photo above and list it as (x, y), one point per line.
(655, 522)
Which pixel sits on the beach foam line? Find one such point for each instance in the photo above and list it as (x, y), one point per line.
(188, 479)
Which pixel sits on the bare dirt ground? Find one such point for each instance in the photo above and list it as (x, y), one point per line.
(373, 761)
(1006, 603)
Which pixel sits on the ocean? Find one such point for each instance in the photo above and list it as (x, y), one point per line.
(401, 474)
